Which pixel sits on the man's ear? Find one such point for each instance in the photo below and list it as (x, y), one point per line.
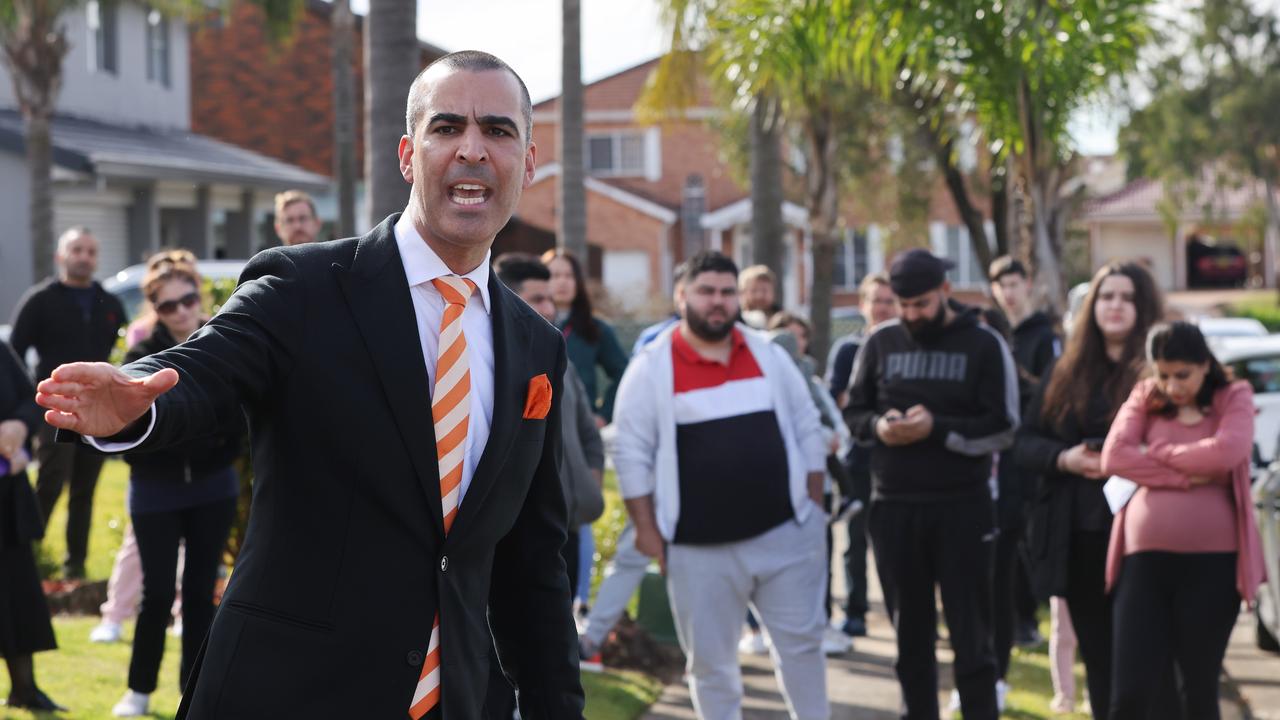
(530, 164)
(406, 158)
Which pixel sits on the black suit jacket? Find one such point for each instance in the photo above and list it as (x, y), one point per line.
(329, 610)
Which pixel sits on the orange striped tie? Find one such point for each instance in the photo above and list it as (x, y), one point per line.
(451, 412)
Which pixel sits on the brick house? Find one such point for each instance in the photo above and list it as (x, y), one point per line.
(277, 98)
(656, 193)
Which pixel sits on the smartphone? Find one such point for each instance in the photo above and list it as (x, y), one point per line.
(1094, 444)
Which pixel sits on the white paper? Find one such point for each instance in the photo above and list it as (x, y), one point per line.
(1118, 491)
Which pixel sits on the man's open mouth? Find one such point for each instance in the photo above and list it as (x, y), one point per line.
(469, 194)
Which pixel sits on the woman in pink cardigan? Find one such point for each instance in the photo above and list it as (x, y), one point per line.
(1184, 549)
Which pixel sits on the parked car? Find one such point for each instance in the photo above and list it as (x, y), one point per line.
(1266, 502)
(127, 284)
(1257, 360)
(1215, 264)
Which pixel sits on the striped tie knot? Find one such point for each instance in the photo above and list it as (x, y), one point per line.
(454, 289)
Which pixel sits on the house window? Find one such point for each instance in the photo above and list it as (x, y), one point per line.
(157, 48)
(968, 271)
(104, 34)
(616, 154)
(852, 261)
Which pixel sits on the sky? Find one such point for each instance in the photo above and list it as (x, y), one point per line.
(617, 34)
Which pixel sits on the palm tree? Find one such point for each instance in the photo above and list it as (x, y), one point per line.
(344, 116)
(391, 61)
(571, 221)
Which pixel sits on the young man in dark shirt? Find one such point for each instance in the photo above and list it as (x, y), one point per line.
(878, 305)
(68, 318)
(934, 394)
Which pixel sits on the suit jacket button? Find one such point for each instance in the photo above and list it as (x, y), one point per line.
(444, 563)
(414, 658)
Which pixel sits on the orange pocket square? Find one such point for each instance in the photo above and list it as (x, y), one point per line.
(538, 401)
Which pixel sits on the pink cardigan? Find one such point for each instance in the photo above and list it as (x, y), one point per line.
(1169, 465)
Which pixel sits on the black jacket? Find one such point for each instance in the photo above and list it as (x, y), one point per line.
(1036, 344)
(49, 319)
(1062, 503)
(345, 561)
(191, 459)
(965, 377)
(17, 501)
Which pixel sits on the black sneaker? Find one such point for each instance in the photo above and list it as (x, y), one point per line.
(854, 627)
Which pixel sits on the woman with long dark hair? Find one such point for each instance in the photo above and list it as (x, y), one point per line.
(1185, 548)
(1060, 441)
(186, 494)
(24, 615)
(590, 340)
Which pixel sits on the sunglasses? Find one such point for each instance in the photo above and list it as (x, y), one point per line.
(169, 307)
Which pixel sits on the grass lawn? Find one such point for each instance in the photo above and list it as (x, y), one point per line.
(1032, 687)
(90, 678)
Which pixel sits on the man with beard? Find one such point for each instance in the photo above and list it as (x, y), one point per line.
(296, 220)
(68, 318)
(720, 458)
(934, 394)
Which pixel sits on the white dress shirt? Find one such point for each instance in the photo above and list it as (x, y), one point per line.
(421, 266)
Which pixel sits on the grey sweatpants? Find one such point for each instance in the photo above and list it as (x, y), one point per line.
(782, 575)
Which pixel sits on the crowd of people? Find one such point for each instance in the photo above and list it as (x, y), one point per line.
(980, 456)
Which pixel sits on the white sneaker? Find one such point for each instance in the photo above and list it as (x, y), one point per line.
(1002, 693)
(753, 643)
(835, 642)
(106, 632)
(954, 705)
(133, 704)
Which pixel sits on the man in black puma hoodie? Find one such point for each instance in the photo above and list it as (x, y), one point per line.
(934, 394)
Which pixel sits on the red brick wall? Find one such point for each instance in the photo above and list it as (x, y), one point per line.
(273, 99)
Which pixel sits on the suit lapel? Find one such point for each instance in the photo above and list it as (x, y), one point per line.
(510, 380)
(378, 295)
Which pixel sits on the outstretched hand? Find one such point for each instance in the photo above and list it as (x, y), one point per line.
(97, 399)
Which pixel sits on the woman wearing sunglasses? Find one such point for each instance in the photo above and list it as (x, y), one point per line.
(184, 494)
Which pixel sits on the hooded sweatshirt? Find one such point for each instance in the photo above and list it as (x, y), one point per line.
(965, 377)
(1035, 343)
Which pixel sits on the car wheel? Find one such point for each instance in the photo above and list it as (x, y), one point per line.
(1263, 637)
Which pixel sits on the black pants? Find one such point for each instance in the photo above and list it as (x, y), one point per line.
(1091, 613)
(1172, 605)
(855, 555)
(949, 545)
(1007, 615)
(77, 466)
(204, 529)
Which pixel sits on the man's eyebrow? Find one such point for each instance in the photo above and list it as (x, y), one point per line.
(502, 120)
(456, 119)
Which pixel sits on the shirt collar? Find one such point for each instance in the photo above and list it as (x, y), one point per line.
(422, 264)
(688, 354)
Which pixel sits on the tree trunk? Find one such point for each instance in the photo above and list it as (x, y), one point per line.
(571, 221)
(344, 117)
(970, 215)
(1048, 267)
(34, 46)
(391, 61)
(1271, 236)
(822, 180)
(40, 169)
(768, 233)
(1000, 206)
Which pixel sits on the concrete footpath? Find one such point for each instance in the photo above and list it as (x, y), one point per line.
(862, 685)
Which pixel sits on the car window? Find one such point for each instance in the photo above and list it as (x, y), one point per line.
(1263, 373)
